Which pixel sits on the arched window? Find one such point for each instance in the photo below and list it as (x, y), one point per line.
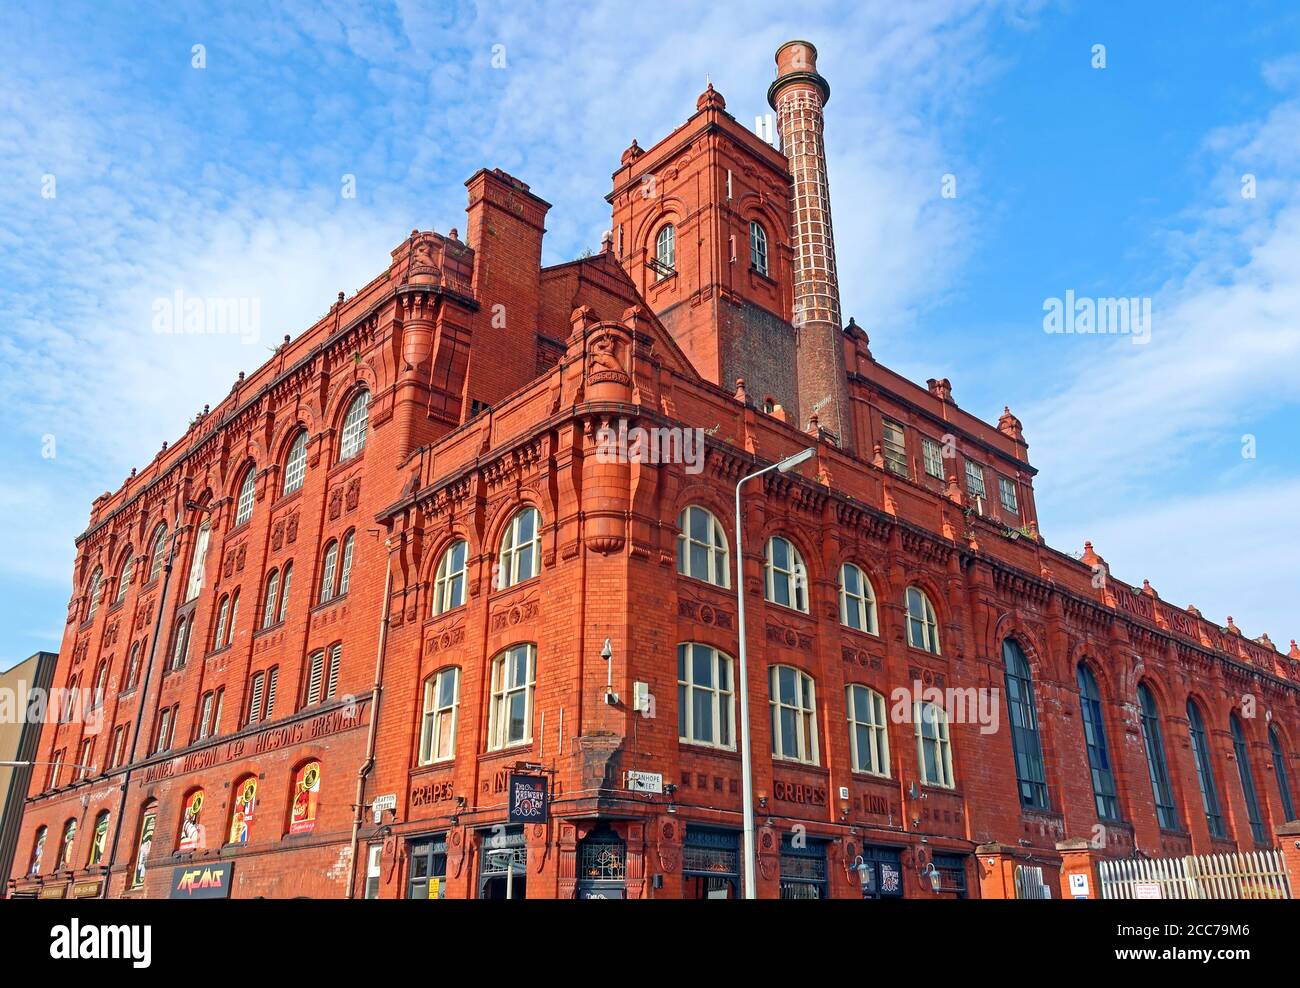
(922, 627)
(665, 252)
(449, 584)
(1157, 768)
(857, 600)
(1205, 772)
(1026, 744)
(793, 709)
(758, 247)
(306, 796)
(148, 823)
(270, 610)
(438, 720)
(868, 734)
(284, 591)
(241, 811)
(295, 463)
(1104, 791)
(124, 579)
(132, 670)
(1247, 776)
(96, 591)
(327, 571)
(1280, 772)
(345, 564)
(521, 549)
(157, 550)
(65, 847)
(702, 547)
(247, 492)
(705, 698)
(355, 425)
(101, 683)
(38, 852)
(933, 745)
(197, 563)
(510, 719)
(181, 648)
(223, 612)
(98, 838)
(787, 577)
(193, 835)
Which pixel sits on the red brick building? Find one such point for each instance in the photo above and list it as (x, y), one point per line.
(397, 565)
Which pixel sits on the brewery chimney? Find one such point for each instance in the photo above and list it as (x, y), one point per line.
(797, 96)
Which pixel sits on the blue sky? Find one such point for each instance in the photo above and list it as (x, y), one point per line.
(1124, 180)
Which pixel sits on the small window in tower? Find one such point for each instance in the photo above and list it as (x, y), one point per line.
(665, 263)
(758, 247)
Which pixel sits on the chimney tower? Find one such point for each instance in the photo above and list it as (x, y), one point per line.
(798, 96)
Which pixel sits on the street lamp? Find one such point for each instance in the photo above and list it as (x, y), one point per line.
(746, 770)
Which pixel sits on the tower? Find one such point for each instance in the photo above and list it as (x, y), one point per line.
(798, 96)
(701, 223)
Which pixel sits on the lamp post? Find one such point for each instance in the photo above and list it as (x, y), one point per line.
(746, 769)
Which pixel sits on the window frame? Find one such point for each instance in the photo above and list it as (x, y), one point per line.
(927, 620)
(721, 699)
(758, 252)
(941, 742)
(1246, 775)
(804, 710)
(295, 464)
(1092, 714)
(864, 603)
(511, 549)
(1281, 776)
(451, 583)
(795, 587)
(893, 447)
(665, 247)
(438, 720)
(355, 429)
(500, 697)
(247, 496)
(1157, 761)
(876, 727)
(932, 458)
(717, 557)
(1026, 730)
(1202, 757)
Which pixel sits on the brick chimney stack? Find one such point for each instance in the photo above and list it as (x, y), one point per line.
(797, 96)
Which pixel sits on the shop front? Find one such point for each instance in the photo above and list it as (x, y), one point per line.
(803, 867)
(428, 873)
(503, 864)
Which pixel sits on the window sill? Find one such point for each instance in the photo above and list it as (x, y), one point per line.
(781, 761)
(862, 775)
(515, 748)
(268, 628)
(325, 605)
(704, 748)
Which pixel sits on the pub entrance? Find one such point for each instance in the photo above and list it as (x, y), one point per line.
(711, 863)
(428, 878)
(503, 865)
(602, 865)
(880, 872)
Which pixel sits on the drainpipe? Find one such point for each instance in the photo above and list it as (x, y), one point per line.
(360, 806)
